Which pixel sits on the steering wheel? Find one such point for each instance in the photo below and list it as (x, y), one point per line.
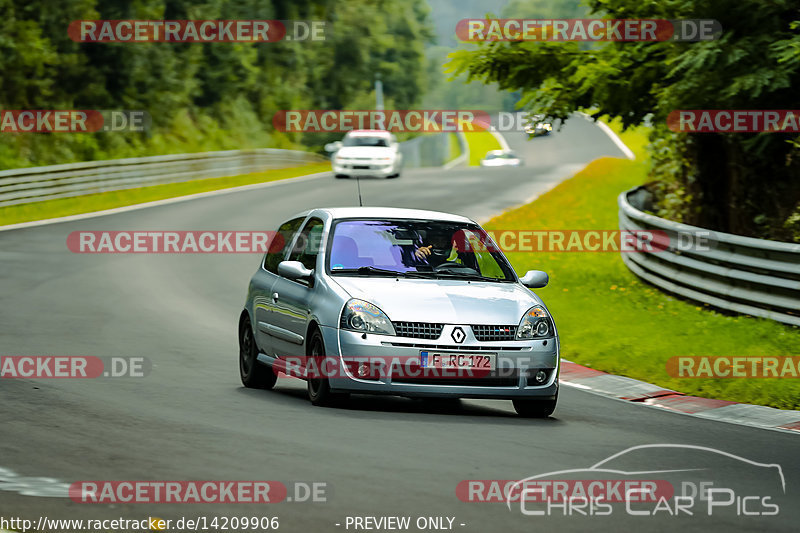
(453, 265)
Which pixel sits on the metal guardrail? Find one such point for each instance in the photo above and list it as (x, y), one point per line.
(35, 184)
(426, 150)
(739, 274)
(463, 159)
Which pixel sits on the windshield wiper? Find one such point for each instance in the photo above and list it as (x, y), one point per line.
(367, 270)
(451, 274)
(412, 273)
(384, 271)
(423, 274)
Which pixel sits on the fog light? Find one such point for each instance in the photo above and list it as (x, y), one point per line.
(540, 377)
(363, 370)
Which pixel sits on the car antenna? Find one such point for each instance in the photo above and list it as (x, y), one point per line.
(358, 182)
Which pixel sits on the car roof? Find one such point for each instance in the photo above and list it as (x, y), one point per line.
(379, 213)
(370, 133)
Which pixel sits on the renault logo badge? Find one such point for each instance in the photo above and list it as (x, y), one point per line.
(458, 335)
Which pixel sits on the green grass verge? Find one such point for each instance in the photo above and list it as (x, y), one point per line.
(612, 321)
(455, 147)
(479, 143)
(108, 200)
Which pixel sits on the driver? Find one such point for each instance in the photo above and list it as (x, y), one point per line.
(441, 248)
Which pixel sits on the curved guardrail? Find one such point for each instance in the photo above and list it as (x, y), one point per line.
(739, 274)
(35, 184)
(432, 150)
(463, 159)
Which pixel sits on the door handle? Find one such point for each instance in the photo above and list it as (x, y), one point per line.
(274, 296)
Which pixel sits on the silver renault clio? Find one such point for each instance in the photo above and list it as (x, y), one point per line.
(376, 300)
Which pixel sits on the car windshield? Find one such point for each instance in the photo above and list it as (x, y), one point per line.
(365, 141)
(415, 248)
(502, 155)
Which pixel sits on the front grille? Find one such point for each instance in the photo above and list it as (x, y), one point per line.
(486, 333)
(496, 379)
(458, 347)
(418, 330)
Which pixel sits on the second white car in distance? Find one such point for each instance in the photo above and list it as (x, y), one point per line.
(501, 158)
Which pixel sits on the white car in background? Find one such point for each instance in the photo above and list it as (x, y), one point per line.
(367, 153)
(501, 158)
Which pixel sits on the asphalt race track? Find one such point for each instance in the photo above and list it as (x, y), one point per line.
(190, 418)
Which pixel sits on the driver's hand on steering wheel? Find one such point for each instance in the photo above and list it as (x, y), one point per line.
(423, 251)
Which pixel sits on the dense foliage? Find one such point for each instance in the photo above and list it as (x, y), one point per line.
(741, 183)
(201, 96)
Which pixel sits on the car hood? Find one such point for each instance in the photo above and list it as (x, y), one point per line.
(444, 301)
(365, 151)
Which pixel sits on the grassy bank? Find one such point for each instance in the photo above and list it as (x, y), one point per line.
(610, 320)
(479, 143)
(108, 200)
(455, 147)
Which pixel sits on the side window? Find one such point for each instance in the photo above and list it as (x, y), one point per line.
(280, 243)
(306, 248)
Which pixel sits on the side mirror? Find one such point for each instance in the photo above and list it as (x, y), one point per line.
(333, 147)
(533, 279)
(294, 270)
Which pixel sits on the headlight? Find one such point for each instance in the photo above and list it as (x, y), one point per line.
(359, 315)
(535, 324)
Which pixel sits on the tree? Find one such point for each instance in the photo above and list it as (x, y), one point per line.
(201, 96)
(740, 183)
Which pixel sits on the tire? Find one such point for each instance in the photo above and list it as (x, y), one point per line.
(341, 176)
(535, 408)
(319, 389)
(398, 171)
(254, 375)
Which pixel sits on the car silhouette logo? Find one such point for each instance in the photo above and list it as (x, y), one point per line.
(458, 335)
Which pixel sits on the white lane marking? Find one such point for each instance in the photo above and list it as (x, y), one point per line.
(166, 201)
(46, 487)
(611, 135)
(578, 386)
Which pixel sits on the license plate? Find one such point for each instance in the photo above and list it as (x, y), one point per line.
(473, 361)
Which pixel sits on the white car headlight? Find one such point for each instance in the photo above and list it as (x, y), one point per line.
(535, 324)
(359, 315)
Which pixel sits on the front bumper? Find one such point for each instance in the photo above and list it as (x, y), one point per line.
(368, 168)
(517, 362)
